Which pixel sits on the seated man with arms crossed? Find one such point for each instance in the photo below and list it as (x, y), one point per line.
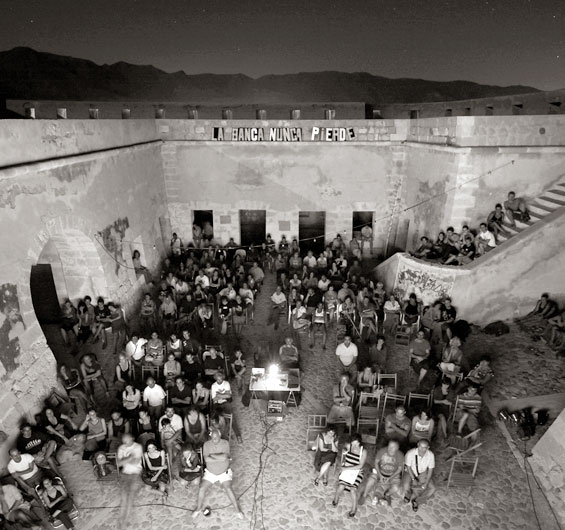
(216, 454)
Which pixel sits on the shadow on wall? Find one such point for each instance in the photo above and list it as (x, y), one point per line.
(11, 327)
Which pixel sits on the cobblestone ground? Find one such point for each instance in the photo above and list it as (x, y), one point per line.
(285, 497)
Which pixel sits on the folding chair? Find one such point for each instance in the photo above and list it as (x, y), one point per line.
(464, 444)
(317, 423)
(111, 473)
(73, 513)
(403, 332)
(153, 370)
(463, 468)
(423, 400)
(388, 381)
(368, 417)
(392, 401)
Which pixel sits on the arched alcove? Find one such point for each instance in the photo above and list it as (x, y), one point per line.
(68, 266)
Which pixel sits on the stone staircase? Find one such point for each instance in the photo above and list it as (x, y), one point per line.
(540, 208)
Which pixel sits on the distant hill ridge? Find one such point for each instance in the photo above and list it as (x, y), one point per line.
(29, 74)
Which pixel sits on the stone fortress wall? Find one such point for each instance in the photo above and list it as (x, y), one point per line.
(83, 194)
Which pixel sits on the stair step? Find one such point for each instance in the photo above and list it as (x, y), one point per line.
(541, 209)
(557, 192)
(551, 201)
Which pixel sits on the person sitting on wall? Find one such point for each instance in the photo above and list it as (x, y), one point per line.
(495, 221)
(176, 245)
(438, 248)
(516, 209)
(424, 249)
(485, 240)
(466, 253)
(453, 243)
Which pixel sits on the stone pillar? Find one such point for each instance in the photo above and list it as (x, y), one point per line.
(61, 113)
(261, 114)
(295, 114)
(227, 114)
(329, 114)
(126, 113)
(93, 113)
(192, 114)
(159, 113)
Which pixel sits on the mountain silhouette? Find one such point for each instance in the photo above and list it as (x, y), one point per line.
(28, 74)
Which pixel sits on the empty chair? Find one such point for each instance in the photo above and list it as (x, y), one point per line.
(388, 381)
(465, 461)
(368, 417)
(390, 402)
(419, 401)
(317, 423)
(105, 467)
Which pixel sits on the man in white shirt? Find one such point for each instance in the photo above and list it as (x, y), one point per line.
(221, 395)
(23, 468)
(154, 399)
(347, 355)
(278, 301)
(417, 482)
(170, 442)
(202, 280)
(309, 260)
(129, 458)
(485, 240)
(135, 351)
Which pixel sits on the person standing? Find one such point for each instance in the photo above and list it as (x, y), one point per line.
(278, 305)
(129, 457)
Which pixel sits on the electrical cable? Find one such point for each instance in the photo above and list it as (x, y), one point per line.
(255, 482)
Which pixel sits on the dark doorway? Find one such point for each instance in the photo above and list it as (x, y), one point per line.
(361, 219)
(205, 220)
(312, 231)
(44, 294)
(253, 226)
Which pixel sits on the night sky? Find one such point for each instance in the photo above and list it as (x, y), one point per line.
(500, 42)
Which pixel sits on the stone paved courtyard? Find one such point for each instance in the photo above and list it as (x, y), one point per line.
(285, 498)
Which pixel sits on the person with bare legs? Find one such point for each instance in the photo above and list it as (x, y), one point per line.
(216, 452)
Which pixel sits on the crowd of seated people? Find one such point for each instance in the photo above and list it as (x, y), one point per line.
(452, 248)
(403, 467)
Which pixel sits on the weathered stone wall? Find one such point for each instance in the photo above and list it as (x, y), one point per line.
(505, 283)
(548, 465)
(85, 213)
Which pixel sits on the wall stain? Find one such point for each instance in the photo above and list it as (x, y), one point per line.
(246, 178)
(11, 327)
(112, 237)
(10, 192)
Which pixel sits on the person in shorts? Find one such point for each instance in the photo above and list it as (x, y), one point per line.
(216, 452)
